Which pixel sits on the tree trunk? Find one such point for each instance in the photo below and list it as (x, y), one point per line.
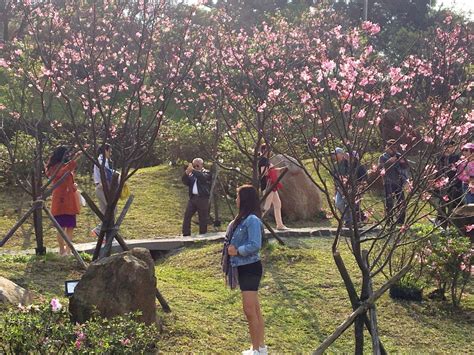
(37, 214)
(355, 302)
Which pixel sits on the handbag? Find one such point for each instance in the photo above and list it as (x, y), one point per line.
(125, 192)
(79, 200)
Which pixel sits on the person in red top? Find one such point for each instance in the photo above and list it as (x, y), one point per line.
(268, 176)
(64, 204)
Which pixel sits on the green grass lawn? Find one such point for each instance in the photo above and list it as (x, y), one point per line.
(157, 210)
(302, 295)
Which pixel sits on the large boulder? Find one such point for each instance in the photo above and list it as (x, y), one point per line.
(119, 284)
(300, 198)
(11, 293)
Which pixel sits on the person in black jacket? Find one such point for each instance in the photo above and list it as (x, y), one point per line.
(198, 181)
(395, 176)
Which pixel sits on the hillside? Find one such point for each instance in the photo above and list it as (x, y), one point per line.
(303, 300)
(158, 208)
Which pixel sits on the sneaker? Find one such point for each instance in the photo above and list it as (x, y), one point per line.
(263, 350)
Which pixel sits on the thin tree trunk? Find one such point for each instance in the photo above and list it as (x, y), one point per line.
(360, 310)
(376, 346)
(37, 214)
(355, 302)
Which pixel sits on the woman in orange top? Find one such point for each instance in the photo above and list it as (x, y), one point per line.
(64, 206)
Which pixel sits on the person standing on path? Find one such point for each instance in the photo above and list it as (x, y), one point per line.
(105, 152)
(394, 169)
(198, 181)
(241, 262)
(268, 176)
(64, 203)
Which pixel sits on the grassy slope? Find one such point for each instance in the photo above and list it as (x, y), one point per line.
(303, 300)
(157, 211)
(160, 200)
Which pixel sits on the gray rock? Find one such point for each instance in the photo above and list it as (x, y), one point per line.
(11, 293)
(300, 198)
(119, 284)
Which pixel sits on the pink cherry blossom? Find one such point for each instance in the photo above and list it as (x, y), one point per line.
(56, 306)
(371, 28)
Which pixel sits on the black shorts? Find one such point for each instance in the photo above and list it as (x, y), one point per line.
(250, 276)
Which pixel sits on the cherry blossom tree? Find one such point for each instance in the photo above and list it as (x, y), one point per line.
(28, 124)
(344, 89)
(113, 68)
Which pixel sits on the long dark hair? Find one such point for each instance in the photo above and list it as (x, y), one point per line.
(264, 149)
(249, 204)
(103, 148)
(58, 156)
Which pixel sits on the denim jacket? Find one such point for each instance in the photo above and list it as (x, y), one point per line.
(247, 238)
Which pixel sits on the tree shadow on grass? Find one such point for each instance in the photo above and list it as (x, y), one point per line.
(304, 309)
(429, 311)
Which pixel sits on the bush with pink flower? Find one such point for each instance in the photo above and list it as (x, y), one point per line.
(446, 261)
(47, 329)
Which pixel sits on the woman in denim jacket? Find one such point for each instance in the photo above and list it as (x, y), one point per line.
(243, 243)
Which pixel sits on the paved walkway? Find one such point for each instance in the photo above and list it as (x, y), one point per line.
(172, 243)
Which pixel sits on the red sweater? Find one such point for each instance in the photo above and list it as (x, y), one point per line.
(64, 196)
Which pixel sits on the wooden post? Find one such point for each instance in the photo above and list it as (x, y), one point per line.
(262, 201)
(20, 222)
(269, 189)
(108, 245)
(65, 238)
(164, 305)
(213, 196)
(355, 301)
(360, 310)
(99, 214)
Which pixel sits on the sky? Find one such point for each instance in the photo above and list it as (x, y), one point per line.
(459, 5)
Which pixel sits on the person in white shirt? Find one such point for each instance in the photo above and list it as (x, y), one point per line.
(198, 181)
(104, 151)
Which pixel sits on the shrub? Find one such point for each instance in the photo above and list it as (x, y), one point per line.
(408, 288)
(447, 260)
(47, 329)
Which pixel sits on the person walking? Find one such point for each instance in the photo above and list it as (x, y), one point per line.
(394, 169)
(361, 177)
(198, 181)
(341, 176)
(268, 176)
(65, 205)
(242, 265)
(105, 152)
(466, 172)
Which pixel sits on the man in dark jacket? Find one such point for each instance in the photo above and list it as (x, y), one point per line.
(198, 181)
(395, 176)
